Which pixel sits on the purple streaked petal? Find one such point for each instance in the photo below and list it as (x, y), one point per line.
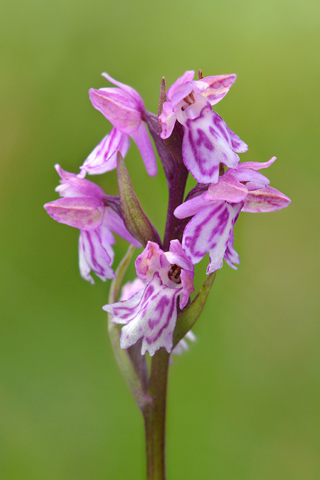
(96, 254)
(237, 144)
(85, 213)
(188, 287)
(115, 223)
(73, 185)
(142, 139)
(118, 107)
(266, 199)
(104, 157)
(153, 319)
(224, 244)
(209, 231)
(127, 89)
(151, 260)
(231, 256)
(207, 142)
(124, 311)
(217, 86)
(257, 165)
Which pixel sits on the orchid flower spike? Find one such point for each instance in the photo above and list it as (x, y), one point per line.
(207, 140)
(124, 108)
(151, 313)
(216, 210)
(85, 206)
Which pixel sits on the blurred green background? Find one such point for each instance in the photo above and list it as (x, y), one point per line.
(244, 401)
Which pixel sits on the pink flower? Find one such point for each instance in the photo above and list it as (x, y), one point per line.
(151, 313)
(124, 108)
(207, 140)
(85, 206)
(216, 210)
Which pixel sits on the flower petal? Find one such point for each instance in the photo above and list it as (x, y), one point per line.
(167, 120)
(180, 93)
(116, 224)
(142, 139)
(231, 256)
(85, 213)
(124, 311)
(249, 175)
(96, 254)
(150, 261)
(153, 319)
(257, 165)
(118, 107)
(73, 185)
(132, 92)
(185, 78)
(177, 255)
(207, 142)
(223, 235)
(188, 287)
(266, 199)
(227, 189)
(217, 86)
(104, 157)
(209, 231)
(191, 207)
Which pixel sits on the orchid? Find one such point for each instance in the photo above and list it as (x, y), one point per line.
(155, 314)
(216, 210)
(85, 206)
(151, 313)
(124, 108)
(207, 140)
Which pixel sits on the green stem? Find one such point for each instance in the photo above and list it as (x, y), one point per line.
(154, 415)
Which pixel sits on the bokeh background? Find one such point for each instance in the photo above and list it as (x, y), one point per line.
(244, 401)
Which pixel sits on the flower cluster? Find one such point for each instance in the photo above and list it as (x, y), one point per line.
(190, 138)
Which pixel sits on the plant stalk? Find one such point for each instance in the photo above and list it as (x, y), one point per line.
(154, 415)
